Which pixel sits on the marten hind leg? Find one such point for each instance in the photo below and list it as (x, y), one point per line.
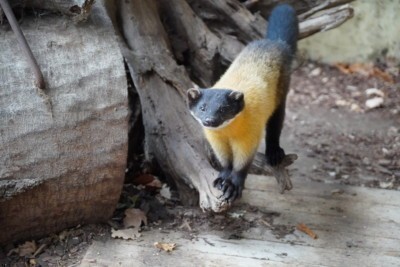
(273, 151)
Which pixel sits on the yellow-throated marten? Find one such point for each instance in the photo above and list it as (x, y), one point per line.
(248, 99)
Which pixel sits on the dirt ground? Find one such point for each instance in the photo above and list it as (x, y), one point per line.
(338, 138)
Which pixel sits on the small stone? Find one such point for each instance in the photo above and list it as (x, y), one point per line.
(386, 185)
(316, 72)
(366, 161)
(393, 131)
(341, 103)
(351, 88)
(325, 79)
(355, 107)
(374, 92)
(385, 151)
(375, 102)
(384, 162)
(355, 94)
(332, 174)
(337, 191)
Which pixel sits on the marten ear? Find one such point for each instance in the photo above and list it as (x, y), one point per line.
(235, 95)
(193, 94)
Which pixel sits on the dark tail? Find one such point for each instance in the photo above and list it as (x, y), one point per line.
(283, 25)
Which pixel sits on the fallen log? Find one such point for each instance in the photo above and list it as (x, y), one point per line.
(64, 165)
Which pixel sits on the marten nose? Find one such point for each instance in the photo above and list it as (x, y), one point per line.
(208, 122)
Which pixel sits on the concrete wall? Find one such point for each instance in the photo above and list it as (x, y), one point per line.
(372, 32)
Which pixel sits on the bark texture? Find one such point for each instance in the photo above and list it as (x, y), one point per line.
(63, 149)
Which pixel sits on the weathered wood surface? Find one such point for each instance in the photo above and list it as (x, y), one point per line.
(62, 150)
(355, 227)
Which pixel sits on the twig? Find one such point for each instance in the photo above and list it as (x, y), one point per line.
(280, 171)
(332, 18)
(250, 3)
(39, 81)
(325, 5)
(186, 224)
(39, 250)
(266, 223)
(304, 228)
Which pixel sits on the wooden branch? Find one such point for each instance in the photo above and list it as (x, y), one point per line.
(330, 19)
(247, 26)
(39, 80)
(231, 16)
(192, 37)
(250, 3)
(280, 172)
(325, 5)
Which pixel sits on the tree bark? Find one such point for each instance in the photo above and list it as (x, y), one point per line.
(67, 7)
(62, 158)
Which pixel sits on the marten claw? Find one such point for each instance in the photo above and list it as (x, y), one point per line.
(218, 183)
(229, 189)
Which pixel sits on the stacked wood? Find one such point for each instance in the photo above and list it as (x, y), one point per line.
(173, 46)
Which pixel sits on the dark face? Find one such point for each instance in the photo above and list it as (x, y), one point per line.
(215, 108)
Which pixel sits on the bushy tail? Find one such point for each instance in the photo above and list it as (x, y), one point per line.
(283, 25)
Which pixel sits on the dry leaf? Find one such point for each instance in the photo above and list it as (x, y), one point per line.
(155, 183)
(374, 92)
(165, 246)
(366, 69)
(134, 218)
(343, 68)
(165, 192)
(25, 249)
(125, 234)
(302, 227)
(143, 179)
(383, 75)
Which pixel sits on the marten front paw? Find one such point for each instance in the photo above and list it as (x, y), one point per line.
(222, 176)
(231, 190)
(274, 155)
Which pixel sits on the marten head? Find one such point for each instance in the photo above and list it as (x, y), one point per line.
(215, 108)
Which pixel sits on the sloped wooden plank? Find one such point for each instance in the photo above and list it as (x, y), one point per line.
(211, 250)
(355, 227)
